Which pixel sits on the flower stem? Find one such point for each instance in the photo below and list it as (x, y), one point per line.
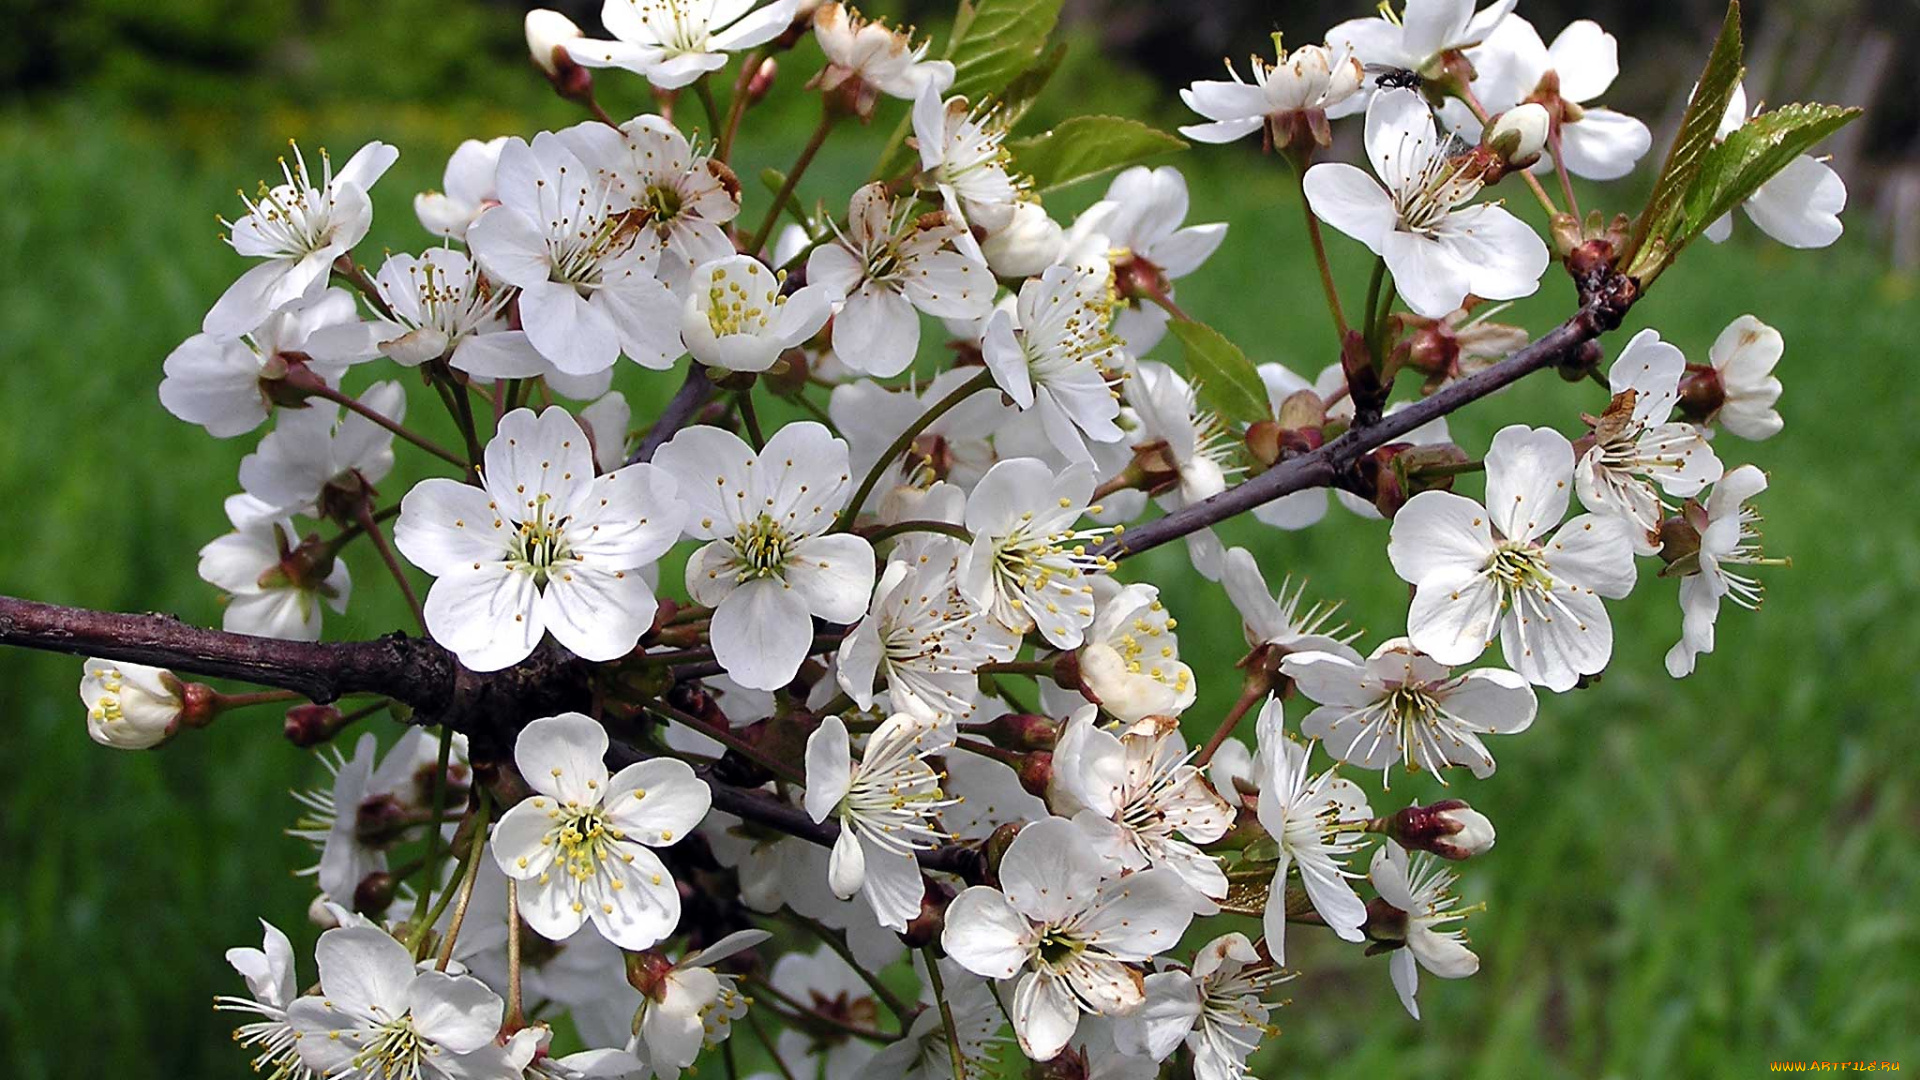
(946, 1011)
(751, 420)
(224, 702)
(945, 528)
(431, 858)
(318, 388)
(1560, 166)
(787, 186)
(832, 940)
(1253, 693)
(1320, 258)
(737, 107)
(905, 442)
(470, 874)
(515, 1019)
(705, 94)
(727, 739)
(1472, 101)
(379, 540)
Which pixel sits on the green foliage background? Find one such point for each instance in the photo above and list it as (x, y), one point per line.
(1693, 878)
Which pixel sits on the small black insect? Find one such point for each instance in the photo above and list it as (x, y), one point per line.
(1387, 77)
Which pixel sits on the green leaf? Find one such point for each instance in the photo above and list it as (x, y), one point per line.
(1025, 88)
(995, 40)
(1652, 245)
(1751, 156)
(1227, 380)
(1088, 146)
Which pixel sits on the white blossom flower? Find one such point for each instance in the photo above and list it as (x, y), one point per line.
(1402, 705)
(1094, 1053)
(1513, 66)
(770, 565)
(1068, 929)
(222, 382)
(1201, 447)
(736, 319)
(1636, 446)
(1055, 354)
(875, 58)
(1414, 39)
(682, 199)
(1277, 620)
(544, 546)
(548, 32)
(885, 804)
(377, 1016)
(1421, 889)
(467, 185)
(1481, 571)
(297, 229)
(273, 985)
(1417, 218)
(130, 706)
(924, 1052)
(1729, 537)
(922, 640)
(369, 789)
(315, 449)
(888, 267)
(963, 153)
(527, 1051)
(1309, 77)
(1028, 562)
(568, 240)
(1136, 789)
(1219, 1008)
(988, 794)
(1743, 358)
(442, 306)
(674, 42)
(1141, 217)
(581, 845)
(831, 988)
(1315, 820)
(267, 593)
(1130, 657)
(1800, 206)
(691, 1007)
(1027, 244)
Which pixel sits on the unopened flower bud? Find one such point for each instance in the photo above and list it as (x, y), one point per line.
(761, 84)
(323, 912)
(1030, 242)
(1449, 828)
(996, 847)
(1386, 927)
(549, 32)
(1036, 773)
(131, 706)
(1701, 393)
(924, 929)
(1022, 731)
(1519, 134)
(647, 972)
(1680, 540)
(1302, 410)
(374, 894)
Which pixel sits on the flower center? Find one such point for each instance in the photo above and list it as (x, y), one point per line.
(662, 202)
(1058, 947)
(294, 216)
(583, 840)
(1520, 566)
(734, 308)
(1434, 189)
(394, 1052)
(540, 545)
(762, 546)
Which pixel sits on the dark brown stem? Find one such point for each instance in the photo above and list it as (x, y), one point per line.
(686, 401)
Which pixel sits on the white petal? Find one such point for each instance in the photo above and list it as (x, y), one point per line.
(761, 633)
(1528, 474)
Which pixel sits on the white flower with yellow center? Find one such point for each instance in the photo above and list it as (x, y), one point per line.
(1744, 389)
(568, 240)
(271, 981)
(1310, 77)
(130, 706)
(690, 1006)
(922, 639)
(1316, 821)
(1142, 218)
(1402, 705)
(1135, 789)
(1055, 354)
(544, 546)
(770, 565)
(674, 42)
(735, 317)
(886, 804)
(1028, 564)
(377, 1017)
(1130, 661)
(1068, 927)
(297, 228)
(442, 306)
(1635, 445)
(1421, 888)
(963, 154)
(1415, 38)
(580, 846)
(683, 198)
(226, 383)
(1502, 570)
(1219, 1008)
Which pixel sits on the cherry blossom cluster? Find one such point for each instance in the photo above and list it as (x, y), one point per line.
(836, 662)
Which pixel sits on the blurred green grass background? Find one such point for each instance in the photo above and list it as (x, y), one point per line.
(1693, 878)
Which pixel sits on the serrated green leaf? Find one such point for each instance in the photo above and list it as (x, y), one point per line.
(996, 40)
(1227, 379)
(1751, 156)
(1088, 146)
(1691, 146)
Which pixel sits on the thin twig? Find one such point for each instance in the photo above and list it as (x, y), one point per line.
(946, 1011)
